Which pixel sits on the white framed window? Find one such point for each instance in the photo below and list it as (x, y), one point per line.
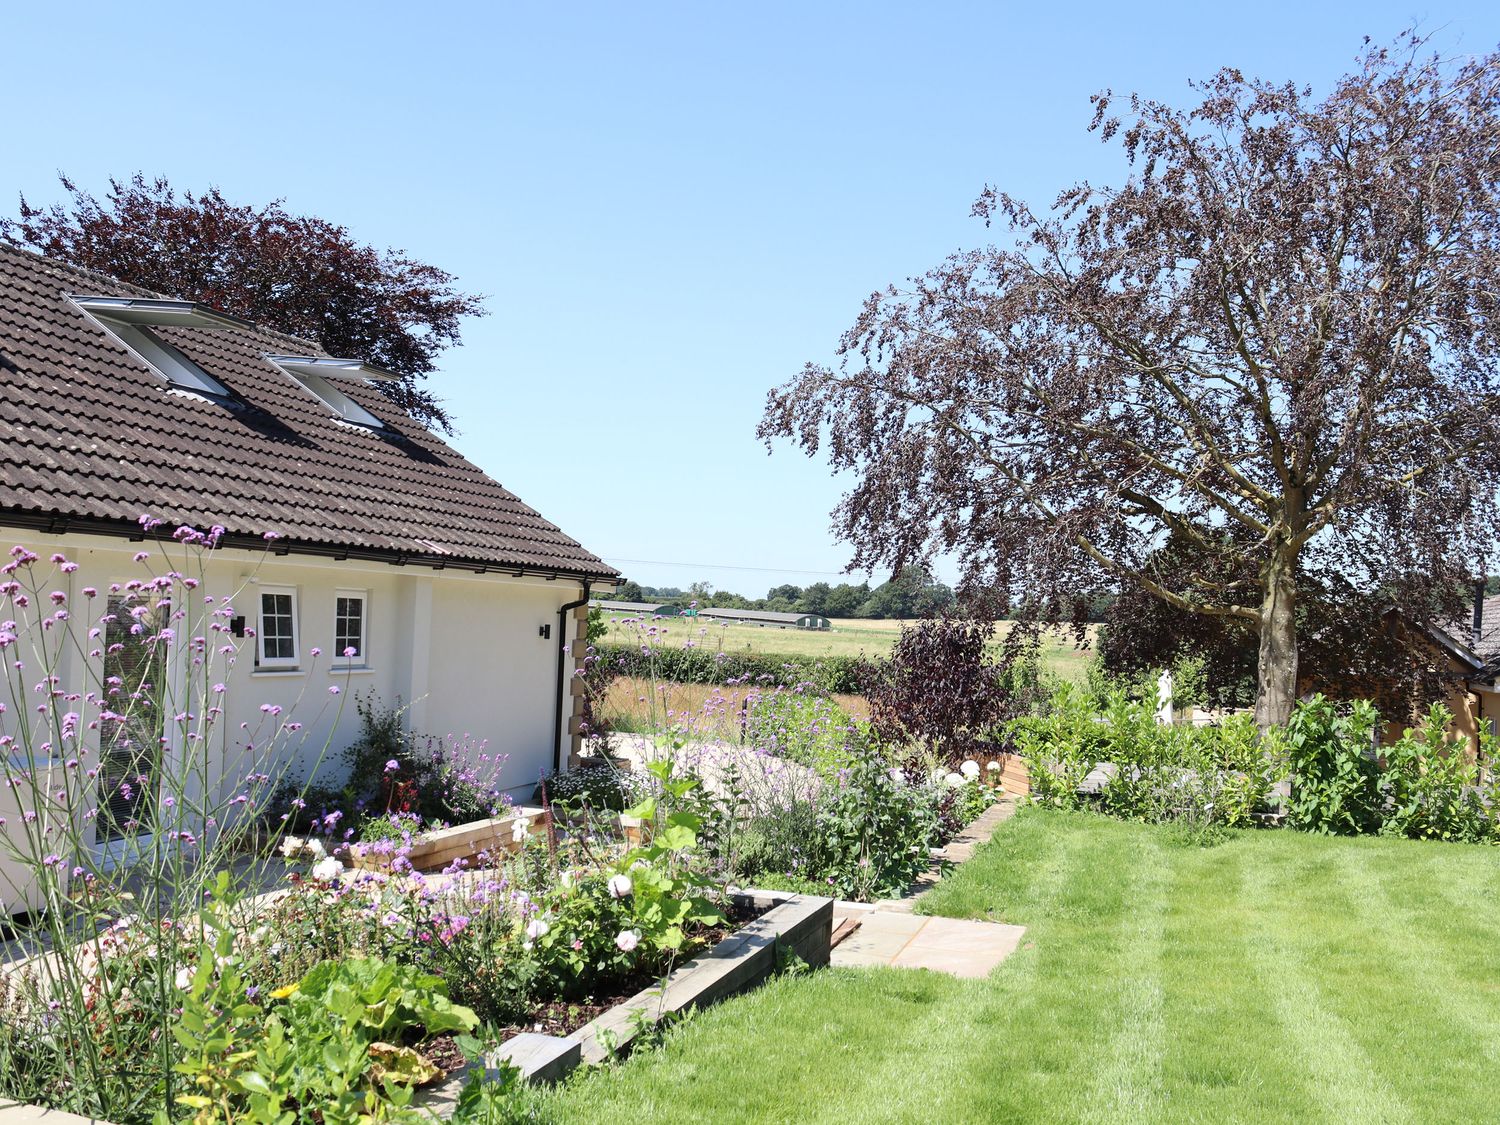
(351, 627)
(276, 633)
(176, 368)
(317, 375)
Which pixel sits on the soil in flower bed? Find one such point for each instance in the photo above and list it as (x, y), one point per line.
(563, 1017)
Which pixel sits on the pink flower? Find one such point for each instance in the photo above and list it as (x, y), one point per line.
(627, 940)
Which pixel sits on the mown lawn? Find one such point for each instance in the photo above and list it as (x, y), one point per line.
(1276, 977)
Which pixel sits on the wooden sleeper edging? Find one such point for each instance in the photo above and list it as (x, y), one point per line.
(800, 924)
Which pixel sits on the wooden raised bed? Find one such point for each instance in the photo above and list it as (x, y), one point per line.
(1013, 776)
(436, 850)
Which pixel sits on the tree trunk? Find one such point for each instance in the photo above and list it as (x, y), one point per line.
(1277, 688)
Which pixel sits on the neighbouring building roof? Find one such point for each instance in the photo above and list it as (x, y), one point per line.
(769, 617)
(91, 438)
(646, 609)
(1486, 645)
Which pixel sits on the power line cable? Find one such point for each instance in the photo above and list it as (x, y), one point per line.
(722, 566)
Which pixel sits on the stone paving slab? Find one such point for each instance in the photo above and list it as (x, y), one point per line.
(958, 946)
(14, 1113)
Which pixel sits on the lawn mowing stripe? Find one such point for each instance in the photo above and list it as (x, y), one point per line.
(1070, 989)
(1127, 1085)
(1224, 1059)
(1344, 1080)
(1454, 1042)
(939, 1064)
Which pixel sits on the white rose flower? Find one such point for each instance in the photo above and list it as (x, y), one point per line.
(993, 766)
(955, 780)
(291, 846)
(620, 886)
(970, 768)
(536, 928)
(627, 940)
(327, 870)
(315, 849)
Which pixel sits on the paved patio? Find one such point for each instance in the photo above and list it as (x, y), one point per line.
(911, 941)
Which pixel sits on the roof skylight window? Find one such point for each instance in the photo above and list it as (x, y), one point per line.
(318, 376)
(132, 322)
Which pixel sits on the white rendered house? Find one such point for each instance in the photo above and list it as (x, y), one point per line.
(455, 597)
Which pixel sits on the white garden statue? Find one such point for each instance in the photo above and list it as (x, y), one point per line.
(1164, 698)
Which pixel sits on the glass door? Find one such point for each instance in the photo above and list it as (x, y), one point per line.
(133, 742)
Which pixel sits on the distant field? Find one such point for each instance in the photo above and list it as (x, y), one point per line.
(708, 711)
(848, 637)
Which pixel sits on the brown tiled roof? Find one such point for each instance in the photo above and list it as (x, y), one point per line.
(90, 436)
(1487, 645)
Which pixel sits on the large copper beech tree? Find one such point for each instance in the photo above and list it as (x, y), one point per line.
(1276, 342)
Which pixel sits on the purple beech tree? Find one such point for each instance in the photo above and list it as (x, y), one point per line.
(1276, 342)
(297, 273)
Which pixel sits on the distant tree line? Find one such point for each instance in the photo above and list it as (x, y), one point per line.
(912, 593)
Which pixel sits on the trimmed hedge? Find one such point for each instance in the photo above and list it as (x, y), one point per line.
(842, 675)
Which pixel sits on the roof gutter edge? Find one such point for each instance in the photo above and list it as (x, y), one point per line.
(56, 524)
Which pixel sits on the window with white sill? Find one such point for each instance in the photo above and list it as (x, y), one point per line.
(350, 628)
(276, 636)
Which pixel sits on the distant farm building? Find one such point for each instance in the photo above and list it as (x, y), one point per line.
(634, 609)
(764, 618)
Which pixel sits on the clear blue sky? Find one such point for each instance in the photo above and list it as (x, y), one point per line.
(670, 208)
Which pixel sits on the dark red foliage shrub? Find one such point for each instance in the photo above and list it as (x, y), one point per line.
(940, 691)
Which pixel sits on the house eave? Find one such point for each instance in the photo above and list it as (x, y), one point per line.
(1458, 651)
(54, 523)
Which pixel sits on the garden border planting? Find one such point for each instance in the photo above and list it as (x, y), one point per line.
(796, 924)
(956, 851)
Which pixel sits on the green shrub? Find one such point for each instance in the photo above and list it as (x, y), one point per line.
(840, 675)
(1214, 775)
(1335, 775)
(876, 830)
(866, 834)
(326, 1049)
(593, 787)
(774, 848)
(1432, 791)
